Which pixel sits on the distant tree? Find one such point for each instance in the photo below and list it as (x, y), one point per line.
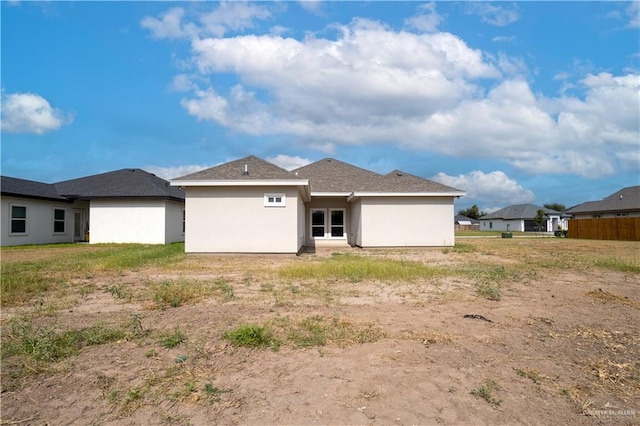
(539, 219)
(556, 206)
(473, 212)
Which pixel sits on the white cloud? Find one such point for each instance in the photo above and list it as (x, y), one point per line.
(312, 6)
(227, 16)
(428, 91)
(288, 162)
(31, 113)
(426, 20)
(489, 189)
(169, 173)
(633, 12)
(492, 15)
(168, 26)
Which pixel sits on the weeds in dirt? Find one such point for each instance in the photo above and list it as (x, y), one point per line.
(459, 248)
(320, 331)
(532, 375)
(172, 340)
(46, 344)
(119, 291)
(214, 392)
(486, 392)
(21, 281)
(619, 264)
(252, 336)
(135, 326)
(357, 268)
(171, 294)
(225, 288)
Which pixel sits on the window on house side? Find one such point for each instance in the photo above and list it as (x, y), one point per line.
(18, 219)
(184, 220)
(59, 221)
(274, 200)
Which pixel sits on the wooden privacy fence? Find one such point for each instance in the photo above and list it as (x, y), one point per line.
(618, 228)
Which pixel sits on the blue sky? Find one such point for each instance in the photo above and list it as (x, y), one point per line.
(513, 102)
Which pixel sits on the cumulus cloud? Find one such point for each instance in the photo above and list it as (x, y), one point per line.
(227, 16)
(494, 189)
(288, 162)
(426, 20)
(499, 16)
(425, 91)
(169, 173)
(31, 113)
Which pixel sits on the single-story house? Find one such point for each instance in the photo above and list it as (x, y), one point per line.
(624, 203)
(521, 218)
(464, 223)
(123, 206)
(253, 206)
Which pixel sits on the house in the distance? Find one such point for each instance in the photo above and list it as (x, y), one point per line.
(123, 206)
(522, 218)
(253, 206)
(464, 223)
(624, 203)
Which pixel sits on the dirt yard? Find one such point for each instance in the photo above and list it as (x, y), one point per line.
(521, 331)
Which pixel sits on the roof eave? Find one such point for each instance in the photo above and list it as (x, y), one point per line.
(247, 182)
(357, 194)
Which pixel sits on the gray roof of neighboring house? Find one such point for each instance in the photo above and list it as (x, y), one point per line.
(627, 199)
(257, 169)
(124, 183)
(461, 218)
(519, 211)
(331, 175)
(28, 188)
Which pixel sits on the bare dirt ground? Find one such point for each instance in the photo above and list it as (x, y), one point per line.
(562, 346)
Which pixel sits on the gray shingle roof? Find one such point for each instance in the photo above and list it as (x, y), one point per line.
(124, 183)
(627, 199)
(331, 175)
(461, 218)
(257, 169)
(519, 211)
(28, 188)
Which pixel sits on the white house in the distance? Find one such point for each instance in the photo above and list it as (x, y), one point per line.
(123, 206)
(521, 218)
(253, 206)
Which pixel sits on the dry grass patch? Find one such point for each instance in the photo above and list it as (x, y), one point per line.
(605, 296)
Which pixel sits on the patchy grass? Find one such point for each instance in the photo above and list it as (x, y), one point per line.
(486, 392)
(320, 331)
(619, 264)
(172, 294)
(172, 340)
(252, 336)
(357, 268)
(24, 279)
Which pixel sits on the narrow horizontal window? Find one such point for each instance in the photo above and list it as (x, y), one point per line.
(274, 200)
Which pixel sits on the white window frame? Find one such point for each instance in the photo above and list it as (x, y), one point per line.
(330, 224)
(275, 200)
(326, 235)
(26, 219)
(64, 221)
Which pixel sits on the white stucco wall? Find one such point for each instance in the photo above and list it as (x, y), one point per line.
(407, 221)
(502, 225)
(39, 226)
(235, 220)
(355, 234)
(127, 221)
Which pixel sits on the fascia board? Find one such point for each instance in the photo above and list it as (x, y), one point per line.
(331, 194)
(279, 182)
(405, 194)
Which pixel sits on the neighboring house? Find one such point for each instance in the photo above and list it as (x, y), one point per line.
(464, 223)
(253, 206)
(624, 203)
(123, 206)
(521, 217)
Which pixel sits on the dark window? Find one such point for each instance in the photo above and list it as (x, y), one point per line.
(58, 220)
(184, 220)
(18, 219)
(337, 223)
(317, 223)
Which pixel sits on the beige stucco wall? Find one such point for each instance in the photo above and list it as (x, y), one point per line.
(355, 230)
(407, 221)
(39, 222)
(235, 220)
(127, 221)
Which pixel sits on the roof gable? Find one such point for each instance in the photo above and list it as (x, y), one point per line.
(626, 199)
(127, 183)
(519, 211)
(248, 168)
